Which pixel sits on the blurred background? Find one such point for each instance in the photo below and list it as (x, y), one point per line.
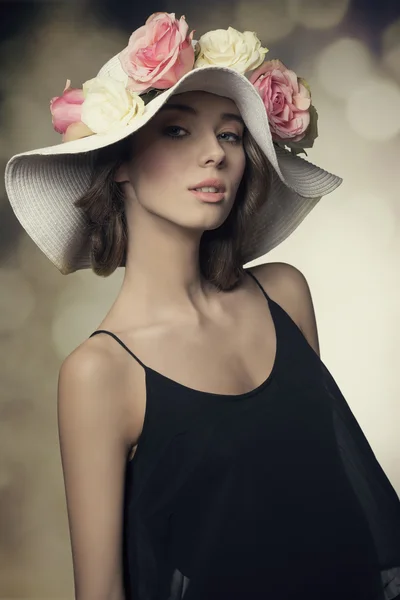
(348, 247)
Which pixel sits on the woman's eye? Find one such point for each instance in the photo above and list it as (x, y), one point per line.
(233, 137)
(173, 131)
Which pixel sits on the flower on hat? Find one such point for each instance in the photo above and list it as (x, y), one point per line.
(66, 113)
(108, 105)
(159, 53)
(230, 48)
(287, 100)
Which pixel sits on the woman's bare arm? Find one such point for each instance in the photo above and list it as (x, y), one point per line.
(94, 443)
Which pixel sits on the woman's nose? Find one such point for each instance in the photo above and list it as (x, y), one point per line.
(211, 151)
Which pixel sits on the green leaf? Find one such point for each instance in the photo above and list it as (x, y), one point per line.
(150, 95)
(311, 134)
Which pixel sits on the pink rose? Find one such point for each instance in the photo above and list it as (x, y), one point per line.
(287, 100)
(66, 109)
(158, 54)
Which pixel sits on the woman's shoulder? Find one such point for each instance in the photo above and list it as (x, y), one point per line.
(280, 278)
(97, 378)
(94, 360)
(286, 285)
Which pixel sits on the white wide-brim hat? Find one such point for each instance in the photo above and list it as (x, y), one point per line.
(42, 185)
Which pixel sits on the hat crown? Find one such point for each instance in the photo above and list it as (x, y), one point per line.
(112, 68)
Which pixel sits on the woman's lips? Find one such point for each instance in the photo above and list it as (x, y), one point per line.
(209, 196)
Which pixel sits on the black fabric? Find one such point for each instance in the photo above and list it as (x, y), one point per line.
(270, 495)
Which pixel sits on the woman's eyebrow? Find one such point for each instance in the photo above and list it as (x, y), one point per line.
(189, 109)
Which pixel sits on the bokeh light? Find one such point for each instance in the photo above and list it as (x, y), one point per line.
(81, 307)
(203, 16)
(343, 66)
(315, 14)
(17, 300)
(373, 110)
(269, 19)
(36, 267)
(391, 49)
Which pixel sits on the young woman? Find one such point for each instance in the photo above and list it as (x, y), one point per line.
(207, 451)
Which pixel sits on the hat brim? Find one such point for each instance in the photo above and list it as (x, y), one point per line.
(43, 184)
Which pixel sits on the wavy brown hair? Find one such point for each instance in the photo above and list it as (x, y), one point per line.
(222, 250)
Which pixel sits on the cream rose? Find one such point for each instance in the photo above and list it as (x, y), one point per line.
(230, 48)
(108, 105)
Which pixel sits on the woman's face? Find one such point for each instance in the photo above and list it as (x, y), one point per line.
(195, 137)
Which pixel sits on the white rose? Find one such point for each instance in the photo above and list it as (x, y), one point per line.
(230, 48)
(108, 105)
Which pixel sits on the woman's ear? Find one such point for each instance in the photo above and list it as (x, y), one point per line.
(121, 174)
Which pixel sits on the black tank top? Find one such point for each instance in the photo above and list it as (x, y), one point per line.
(274, 494)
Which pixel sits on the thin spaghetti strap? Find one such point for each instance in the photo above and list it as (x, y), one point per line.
(116, 338)
(259, 285)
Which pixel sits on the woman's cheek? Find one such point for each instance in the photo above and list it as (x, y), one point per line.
(160, 164)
